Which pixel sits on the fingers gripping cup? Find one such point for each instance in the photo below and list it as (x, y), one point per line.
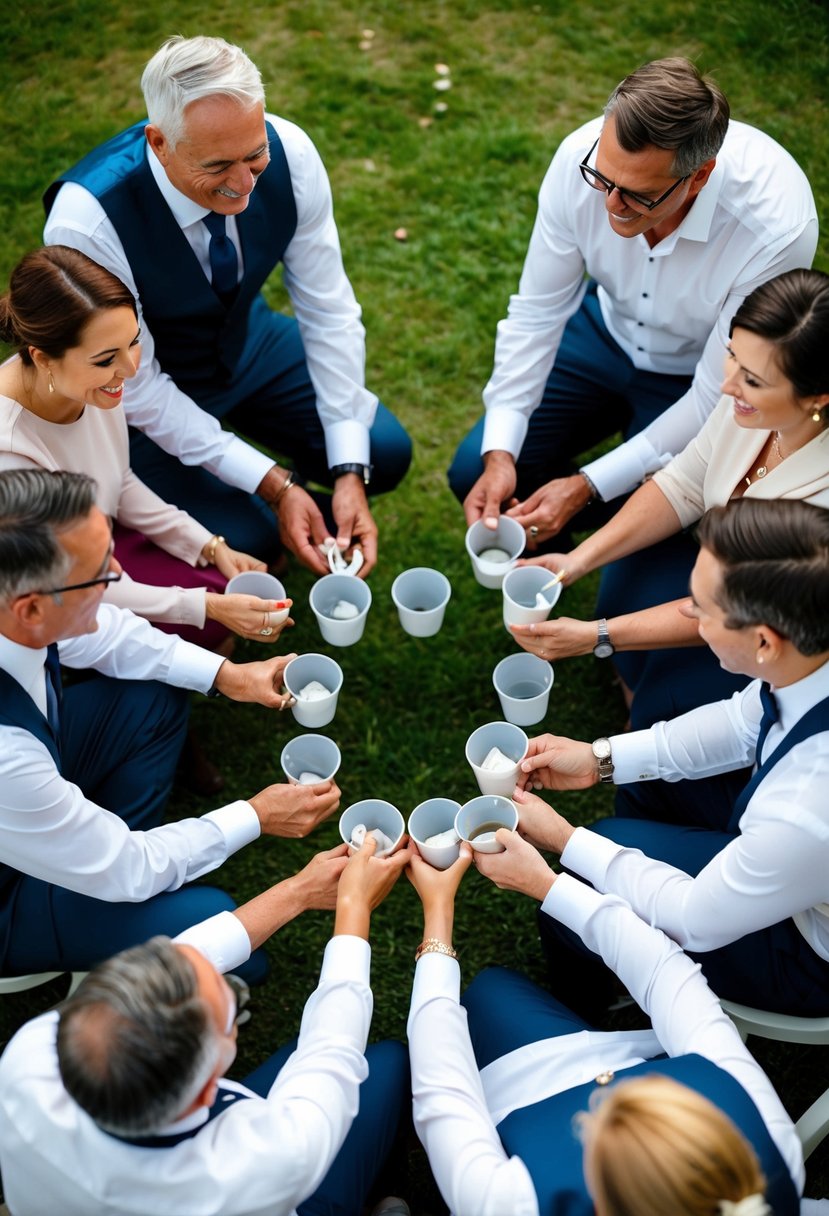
(495, 752)
(527, 597)
(479, 819)
(340, 603)
(315, 681)
(420, 596)
(494, 551)
(373, 815)
(523, 683)
(309, 759)
(432, 827)
(262, 585)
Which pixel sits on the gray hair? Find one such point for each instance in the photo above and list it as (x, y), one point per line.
(185, 70)
(668, 104)
(136, 1042)
(35, 506)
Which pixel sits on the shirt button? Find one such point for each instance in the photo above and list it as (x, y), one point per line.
(640, 322)
(640, 348)
(650, 259)
(604, 1078)
(644, 295)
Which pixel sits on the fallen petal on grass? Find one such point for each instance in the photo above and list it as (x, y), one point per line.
(442, 84)
(401, 234)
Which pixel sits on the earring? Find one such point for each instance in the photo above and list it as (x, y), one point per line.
(759, 658)
(51, 383)
(817, 416)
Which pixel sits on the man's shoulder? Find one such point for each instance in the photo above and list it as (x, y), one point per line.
(757, 170)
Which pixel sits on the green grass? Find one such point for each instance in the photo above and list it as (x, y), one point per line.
(464, 186)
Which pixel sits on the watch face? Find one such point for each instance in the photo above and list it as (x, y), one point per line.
(601, 749)
(603, 650)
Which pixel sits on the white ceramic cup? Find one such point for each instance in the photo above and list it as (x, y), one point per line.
(523, 683)
(420, 596)
(262, 585)
(310, 754)
(488, 810)
(430, 818)
(509, 536)
(510, 740)
(520, 587)
(326, 593)
(301, 671)
(374, 813)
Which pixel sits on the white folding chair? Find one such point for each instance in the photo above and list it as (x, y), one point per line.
(21, 983)
(813, 1125)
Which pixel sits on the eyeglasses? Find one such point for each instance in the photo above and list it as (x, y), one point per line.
(102, 580)
(599, 182)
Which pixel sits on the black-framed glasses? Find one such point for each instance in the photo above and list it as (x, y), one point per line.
(599, 182)
(101, 580)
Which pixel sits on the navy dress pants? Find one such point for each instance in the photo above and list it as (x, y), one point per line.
(272, 402)
(120, 743)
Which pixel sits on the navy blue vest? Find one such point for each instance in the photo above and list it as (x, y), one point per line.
(542, 1135)
(198, 340)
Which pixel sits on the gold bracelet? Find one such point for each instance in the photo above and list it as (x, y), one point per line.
(287, 485)
(212, 545)
(433, 945)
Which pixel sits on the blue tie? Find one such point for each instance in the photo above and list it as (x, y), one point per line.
(53, 689)
(770, 716)
(224, 264)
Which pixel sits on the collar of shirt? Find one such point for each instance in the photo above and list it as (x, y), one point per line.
(795, 700)
(26, 665)
(185, 211)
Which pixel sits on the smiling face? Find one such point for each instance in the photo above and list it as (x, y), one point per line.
(647, 173)
(94, 371)
(736, 649)
(89, 544)
(763, 397)
(219, 157)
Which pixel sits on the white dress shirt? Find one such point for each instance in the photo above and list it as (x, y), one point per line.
(50, 830)
(455, 1107)
(261, 1157)
(323, 301)
(668, 307)
(778, 865)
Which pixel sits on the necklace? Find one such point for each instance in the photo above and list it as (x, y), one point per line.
(762, 469)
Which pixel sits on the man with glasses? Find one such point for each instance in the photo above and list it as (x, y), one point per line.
(605, 334)
(118, 1102)
(85, 773)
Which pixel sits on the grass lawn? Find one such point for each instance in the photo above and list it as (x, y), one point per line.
(463, 183)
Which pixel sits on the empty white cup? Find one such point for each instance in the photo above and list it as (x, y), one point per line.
(511, 741)
(262, 585)
(302, 671)
(520, 587)
(331, 590)
(315, 754)
(509, 536)
(420, 596)
(523, 683)
(374, 813)
(485, 815)
(430, 818)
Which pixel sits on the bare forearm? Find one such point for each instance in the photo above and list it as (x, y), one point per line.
(266, 913)
(647, 517)
(654, 628)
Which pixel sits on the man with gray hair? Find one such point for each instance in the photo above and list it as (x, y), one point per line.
(675, 214)
(118, 1103)
(85, 868)
(193, 209)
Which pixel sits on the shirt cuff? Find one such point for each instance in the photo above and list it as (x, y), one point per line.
(634, 757)
(347, 958)
(222, 939)
(242, 465)
(193, 667)
(621, 470)
(436, 975)
(589, 855)
(504, 431)
(238, 824)
(571, 902)
(347, 442)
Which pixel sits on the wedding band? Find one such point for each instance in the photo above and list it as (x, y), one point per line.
(533, 531)
(265, 633)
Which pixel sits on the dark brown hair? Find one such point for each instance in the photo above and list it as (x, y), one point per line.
(53, 294)
(792, 311)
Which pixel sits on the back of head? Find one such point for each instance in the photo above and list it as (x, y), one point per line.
(185, 70)
(53, 294)
(653, 1147)
(792, 311)
(668, 104)
(775, 567)
(136, 1043)
(35, 506)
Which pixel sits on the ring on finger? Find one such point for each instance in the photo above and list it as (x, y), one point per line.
(533, 531)
(265, 633)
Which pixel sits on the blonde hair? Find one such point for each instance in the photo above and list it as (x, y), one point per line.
(653, 1146)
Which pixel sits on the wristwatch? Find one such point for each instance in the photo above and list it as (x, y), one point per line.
(604, 648)
(362, 470)
(601, 750)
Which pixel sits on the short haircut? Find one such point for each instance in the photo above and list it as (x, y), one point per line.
(35, 506)
(792, 311)
(668, 104)
(185, 70)
(53, 294)
(775, 567)
(136, 1043)
(653, 1146)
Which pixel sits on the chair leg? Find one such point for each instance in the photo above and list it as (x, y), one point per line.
(812, 1126)
(77, 978)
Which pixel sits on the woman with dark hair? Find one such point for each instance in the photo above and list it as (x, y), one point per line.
(767, 438)
(75, 328)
